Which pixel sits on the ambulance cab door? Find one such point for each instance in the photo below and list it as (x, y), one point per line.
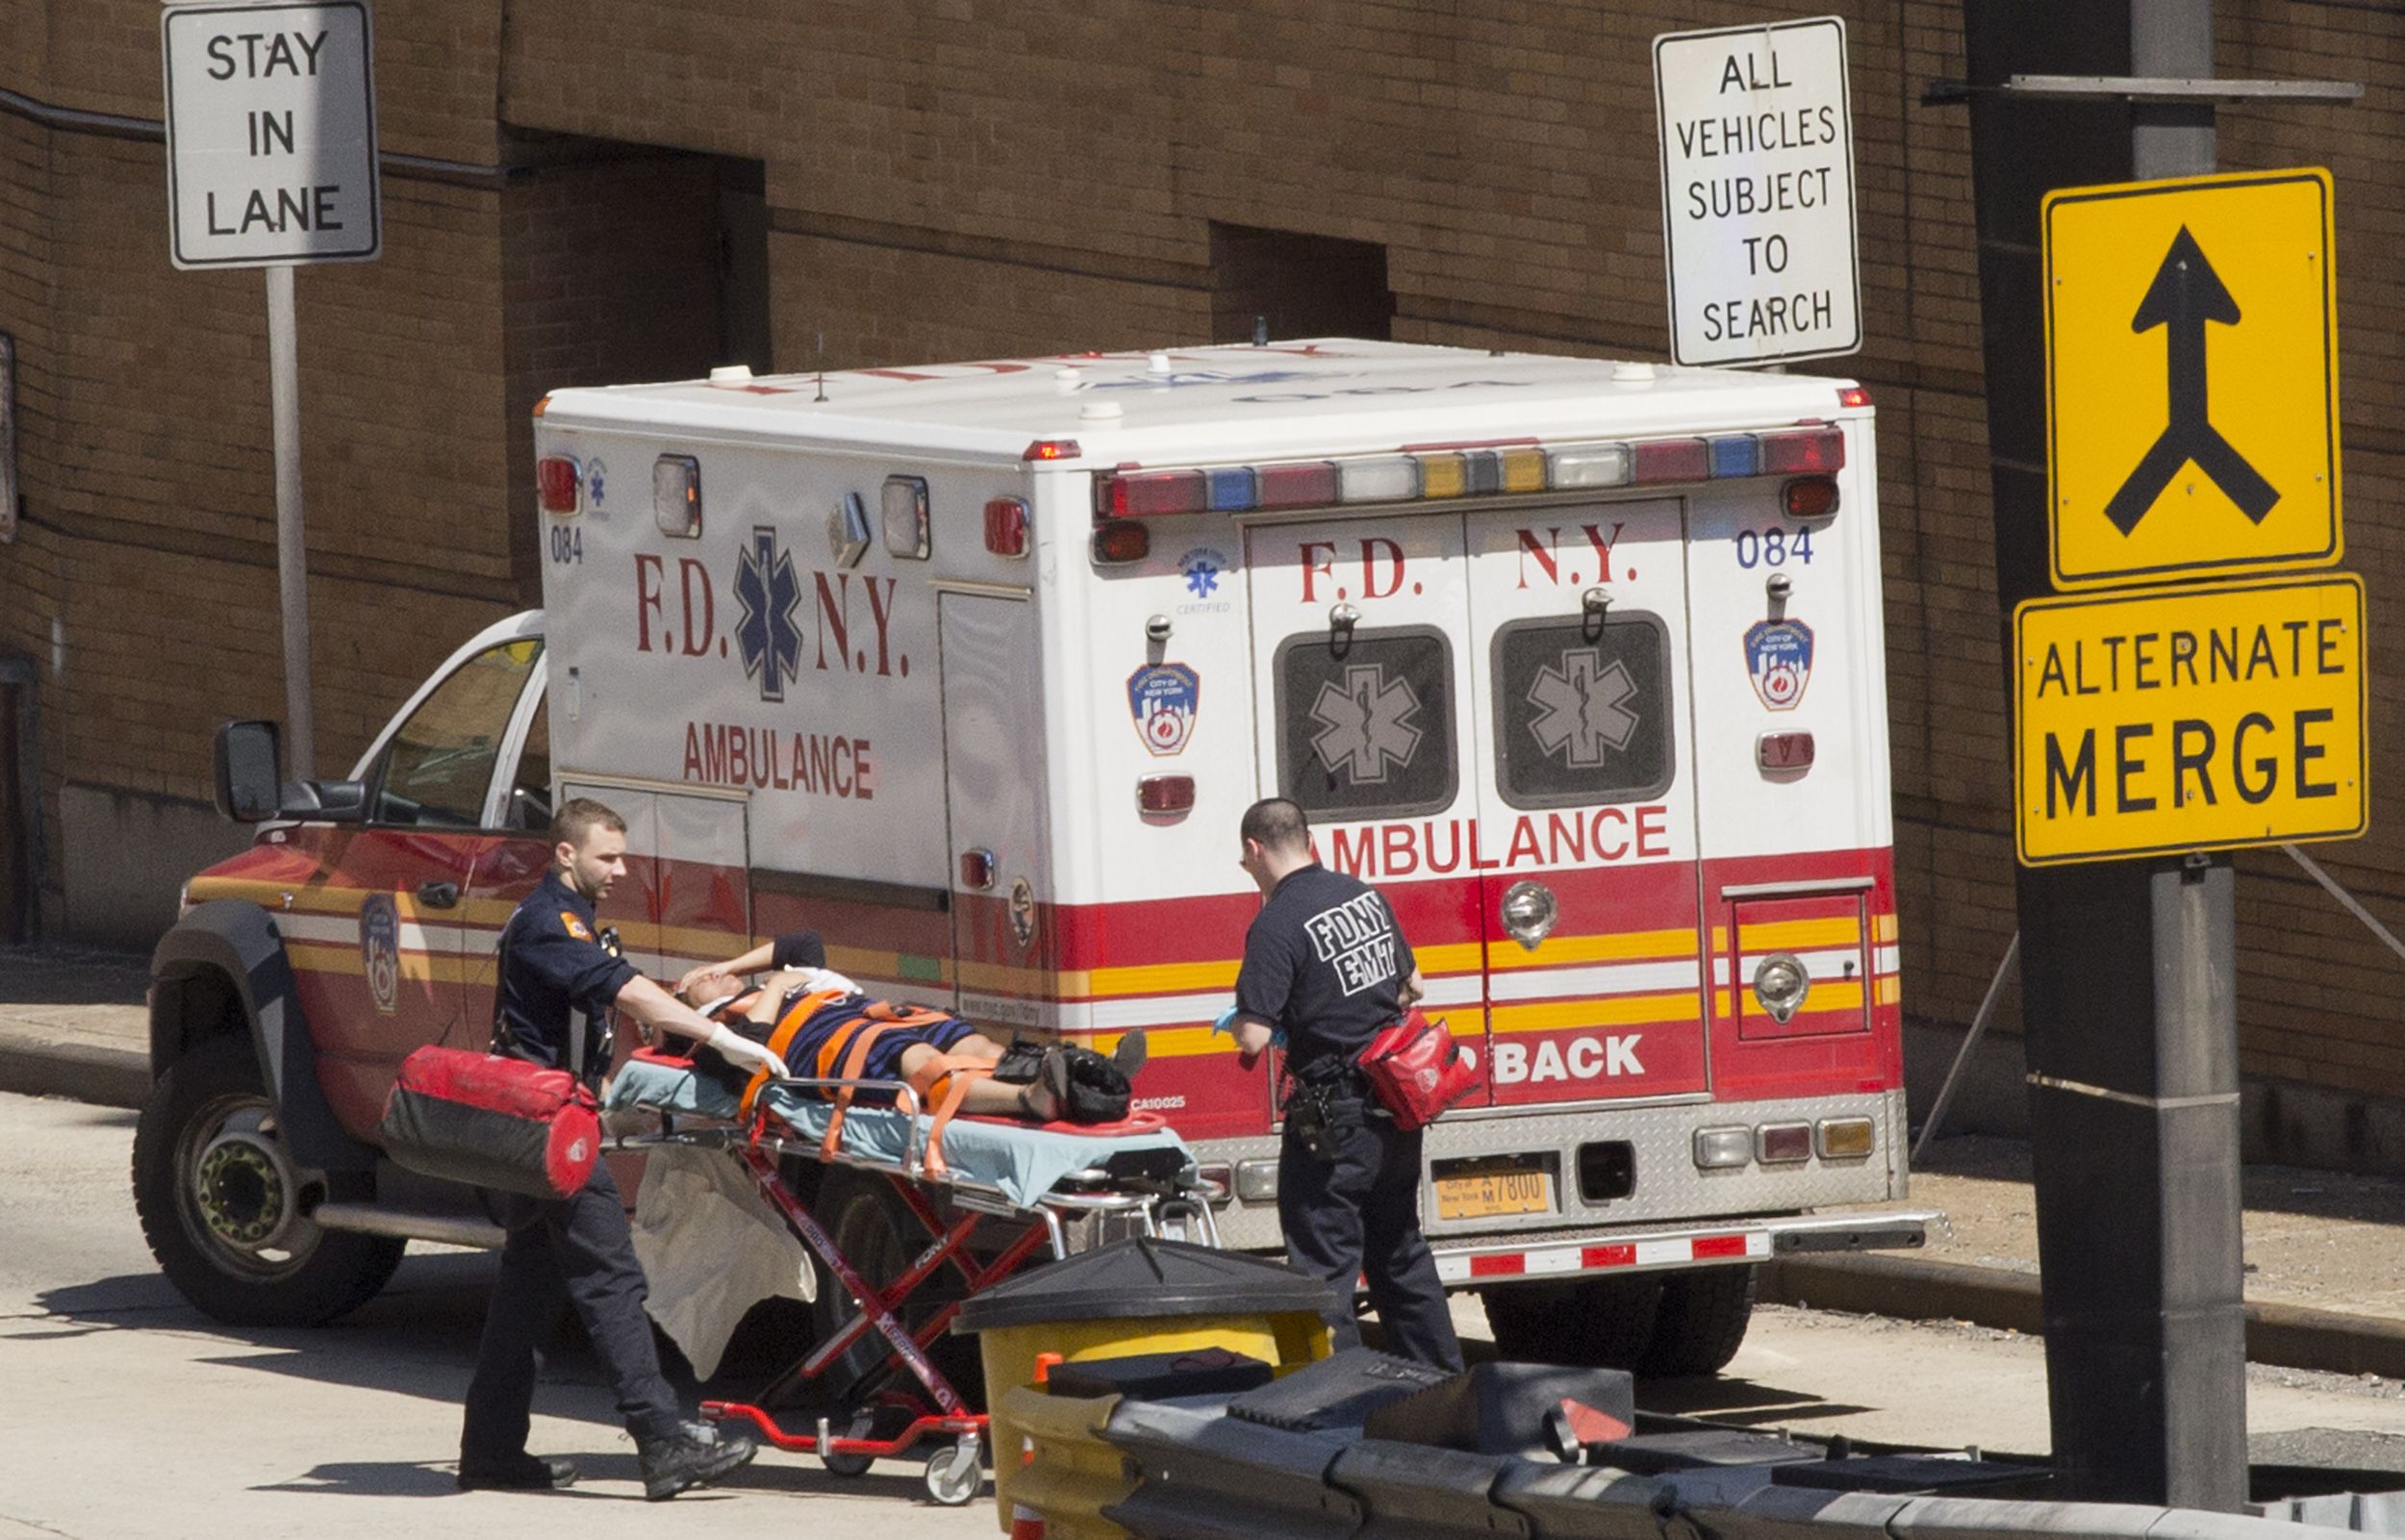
(1590, 895)
(1366, 712)
(1003, 937)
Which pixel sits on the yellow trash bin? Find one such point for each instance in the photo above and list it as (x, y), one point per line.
(1137, 1296)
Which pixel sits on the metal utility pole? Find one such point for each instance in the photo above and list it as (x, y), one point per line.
(291, 551)
(2128, 967)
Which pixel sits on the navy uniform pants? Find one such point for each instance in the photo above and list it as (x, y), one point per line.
(579, 1251)
(1358, 1217)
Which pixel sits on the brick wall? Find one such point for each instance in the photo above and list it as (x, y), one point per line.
(973, 178)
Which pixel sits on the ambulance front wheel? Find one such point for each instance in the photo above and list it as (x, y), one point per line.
(225, 1210)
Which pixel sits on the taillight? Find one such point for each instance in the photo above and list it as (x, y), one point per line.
(1813, 497)
(1052, 449)
(560, 484)
(976, 870)
(1853, 395)
(1121, 541)
(1006, 526)
(1164, 795)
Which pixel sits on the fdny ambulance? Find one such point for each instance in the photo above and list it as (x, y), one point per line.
(974, 667)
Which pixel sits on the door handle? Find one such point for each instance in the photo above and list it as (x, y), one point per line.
(437, 895)
(1528, 911)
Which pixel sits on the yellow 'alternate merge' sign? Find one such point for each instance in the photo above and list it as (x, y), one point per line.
(2189, 718)
(2192, 378)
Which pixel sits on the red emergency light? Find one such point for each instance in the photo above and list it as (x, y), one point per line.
(1165, 795)
(560, 484)
(1006, 526)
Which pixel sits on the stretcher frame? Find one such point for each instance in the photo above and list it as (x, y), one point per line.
(761, 1141)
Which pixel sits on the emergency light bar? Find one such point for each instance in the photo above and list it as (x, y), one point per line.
(1438, 472)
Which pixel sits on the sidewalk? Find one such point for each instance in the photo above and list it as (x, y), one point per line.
(2324, 1289)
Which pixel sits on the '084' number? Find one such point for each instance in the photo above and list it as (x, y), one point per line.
(1772, 547)
(567, 543)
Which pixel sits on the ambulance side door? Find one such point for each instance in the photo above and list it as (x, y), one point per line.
(1004, 938)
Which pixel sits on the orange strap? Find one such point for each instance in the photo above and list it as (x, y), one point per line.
(958, 1073)
(864, 1036)
(781, 1038)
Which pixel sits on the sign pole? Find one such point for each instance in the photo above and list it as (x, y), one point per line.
(292, 550)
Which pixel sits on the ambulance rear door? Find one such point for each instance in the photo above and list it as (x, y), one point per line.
(1595, 975)
(1482, 712)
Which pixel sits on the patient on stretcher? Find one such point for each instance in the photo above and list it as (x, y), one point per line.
(826, 1027)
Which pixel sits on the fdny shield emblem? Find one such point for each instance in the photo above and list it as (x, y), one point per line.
(1163, 698)
(1779, 658)
(380, 950)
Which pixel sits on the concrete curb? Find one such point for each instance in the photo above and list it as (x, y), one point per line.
(36, 1065)
(1916, 1289)
(1903, 1288)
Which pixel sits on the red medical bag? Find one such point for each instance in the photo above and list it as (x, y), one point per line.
(1417, 1069)
(492, 1122)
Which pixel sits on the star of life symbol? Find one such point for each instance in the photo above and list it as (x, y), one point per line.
(766, 587)
(1366, 723)
(1580, 707)
(1201, 575)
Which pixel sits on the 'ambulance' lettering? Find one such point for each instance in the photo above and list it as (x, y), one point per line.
(1438, 847)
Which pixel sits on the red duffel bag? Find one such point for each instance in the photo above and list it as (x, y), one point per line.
(492, 1122)
(1417, 1070)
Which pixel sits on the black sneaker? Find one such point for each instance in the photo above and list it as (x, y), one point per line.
(698, 1454)
(524, 1474)
(1128, 1055)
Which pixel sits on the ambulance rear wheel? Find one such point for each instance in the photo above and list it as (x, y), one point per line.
(1702, 1322)
(223, 1206)
(879, 1236)
(1602, 1323)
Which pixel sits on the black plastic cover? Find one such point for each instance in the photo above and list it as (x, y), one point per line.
(1501, 1408)
(1146, 1279)
(1335, 1393)
(1160, 1376)
(1652, 1452)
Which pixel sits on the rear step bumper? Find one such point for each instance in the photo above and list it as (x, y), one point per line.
(1473, 1264)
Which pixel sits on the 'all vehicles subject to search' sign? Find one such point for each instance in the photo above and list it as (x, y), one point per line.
(2167, 719)
(272, 134)
(1757, 193)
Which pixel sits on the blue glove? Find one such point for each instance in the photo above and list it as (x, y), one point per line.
(1226, 1022)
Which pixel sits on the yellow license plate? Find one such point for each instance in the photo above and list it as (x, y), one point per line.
(1485, 1195)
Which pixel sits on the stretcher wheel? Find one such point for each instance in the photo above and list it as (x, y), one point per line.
(863, 1426)
(956, 1474)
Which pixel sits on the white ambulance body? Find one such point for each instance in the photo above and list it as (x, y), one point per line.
(975, 668)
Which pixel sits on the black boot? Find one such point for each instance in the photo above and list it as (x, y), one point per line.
(524, 1474)
(699, 1453)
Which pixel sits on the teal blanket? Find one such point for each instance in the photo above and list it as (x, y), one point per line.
(1021, 1160)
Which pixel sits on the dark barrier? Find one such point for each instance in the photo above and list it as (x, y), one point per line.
(1576, 1502)
(1204, 1476)
(1414, 1492)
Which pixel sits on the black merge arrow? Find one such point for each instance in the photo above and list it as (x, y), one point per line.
(2186, 293)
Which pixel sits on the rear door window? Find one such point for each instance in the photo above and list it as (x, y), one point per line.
(1582, 712)
(1365, 723)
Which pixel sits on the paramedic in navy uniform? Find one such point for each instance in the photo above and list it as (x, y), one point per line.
(578, 1249)
(1325, 965)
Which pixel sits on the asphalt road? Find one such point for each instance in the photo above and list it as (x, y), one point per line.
(124, 1412)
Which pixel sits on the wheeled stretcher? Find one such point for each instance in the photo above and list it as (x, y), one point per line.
(993, 1196)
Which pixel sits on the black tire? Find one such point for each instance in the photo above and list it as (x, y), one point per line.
(1604, 1323)
(1702, 1322)
(879, 1236)
(235, 1242)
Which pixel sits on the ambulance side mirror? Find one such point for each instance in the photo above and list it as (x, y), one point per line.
(250, 788)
